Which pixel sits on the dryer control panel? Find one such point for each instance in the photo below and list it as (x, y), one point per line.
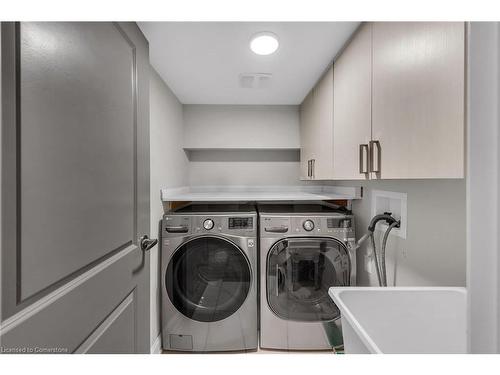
(339, 226)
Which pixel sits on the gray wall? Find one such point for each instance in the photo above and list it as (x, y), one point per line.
(244, 172)
(169, 165)
(434, 252)
(241, 126)
(271, 130)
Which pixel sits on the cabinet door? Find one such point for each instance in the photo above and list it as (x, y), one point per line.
(305, 135)
(418, 99)
(352, 108)
(322, 124)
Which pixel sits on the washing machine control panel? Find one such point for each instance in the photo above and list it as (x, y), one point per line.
(234, 224)
(237, 225)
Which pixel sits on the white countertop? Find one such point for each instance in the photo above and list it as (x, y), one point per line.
(259, 193)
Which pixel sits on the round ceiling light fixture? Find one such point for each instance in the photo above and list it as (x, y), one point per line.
(264, 43)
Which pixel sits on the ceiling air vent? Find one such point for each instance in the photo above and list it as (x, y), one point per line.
(255, 80)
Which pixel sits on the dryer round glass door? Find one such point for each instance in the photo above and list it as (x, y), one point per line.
(299, 273)
(208, 279)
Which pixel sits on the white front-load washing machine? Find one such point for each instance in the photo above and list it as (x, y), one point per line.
(304, 250)
(209, 278)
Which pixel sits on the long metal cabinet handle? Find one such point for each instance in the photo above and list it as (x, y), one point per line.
(313, 165)
(309, 168)
(363, 150)
(375, 163)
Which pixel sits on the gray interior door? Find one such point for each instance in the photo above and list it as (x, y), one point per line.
(75, 187)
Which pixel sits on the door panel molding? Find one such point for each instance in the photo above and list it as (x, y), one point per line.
(67, 317)
(27, 49)
(9, 171)
(126, 305)
(135, 119)
(30, 311)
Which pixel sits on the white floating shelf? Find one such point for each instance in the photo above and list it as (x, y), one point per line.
(259, 193)
(241, 148)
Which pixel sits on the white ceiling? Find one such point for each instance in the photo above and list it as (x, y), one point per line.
(202, 61)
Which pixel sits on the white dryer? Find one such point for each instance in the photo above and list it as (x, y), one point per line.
(209, 278)
(304, 250)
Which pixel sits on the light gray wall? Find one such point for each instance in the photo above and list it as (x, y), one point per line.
(169, 166)
(242, 127)
(434, 252)
(483, 178)
(228, 172)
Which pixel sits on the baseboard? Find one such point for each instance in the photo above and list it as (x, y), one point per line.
(156, 347)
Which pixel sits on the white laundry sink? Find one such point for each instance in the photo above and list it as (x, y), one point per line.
(402, 319)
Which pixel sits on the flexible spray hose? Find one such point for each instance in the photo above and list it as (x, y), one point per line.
(375, 257)
(380, 264)
(382, 252)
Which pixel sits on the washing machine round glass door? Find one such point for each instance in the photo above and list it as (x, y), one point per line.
(299, 273)
(208, 279)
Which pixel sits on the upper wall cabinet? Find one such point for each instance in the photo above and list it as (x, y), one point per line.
(398, 106)
(305, 134)
(316, 131)
(418, 100)
(352, 108)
